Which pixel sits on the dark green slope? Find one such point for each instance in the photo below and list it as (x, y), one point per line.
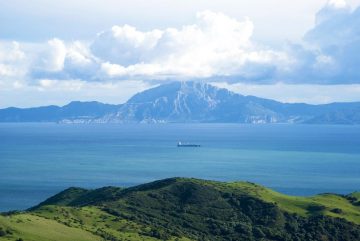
(192, 209)
(81, 197)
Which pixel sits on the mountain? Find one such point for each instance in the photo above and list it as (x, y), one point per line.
(338, 116)
(76, 110)
(186, 209)
(189, 102)
(193, 102)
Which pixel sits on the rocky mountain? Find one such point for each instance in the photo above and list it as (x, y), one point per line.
(189, 102)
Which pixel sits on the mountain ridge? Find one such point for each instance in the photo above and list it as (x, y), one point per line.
(186, 209)
(188, 102)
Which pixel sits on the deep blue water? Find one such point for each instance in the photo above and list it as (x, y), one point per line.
(39, 160)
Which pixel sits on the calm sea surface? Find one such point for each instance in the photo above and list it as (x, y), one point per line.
(39, 160)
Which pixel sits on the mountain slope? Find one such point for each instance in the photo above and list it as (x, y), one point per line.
(345, 116)
(193, 209)
(189, 102)
(73, 111)
(201, 102)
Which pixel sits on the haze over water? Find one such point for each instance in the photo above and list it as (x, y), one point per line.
(39, 160)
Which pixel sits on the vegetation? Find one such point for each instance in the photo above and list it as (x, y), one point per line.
(186, 209)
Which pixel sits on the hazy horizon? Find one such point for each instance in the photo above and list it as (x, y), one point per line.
(236, 88)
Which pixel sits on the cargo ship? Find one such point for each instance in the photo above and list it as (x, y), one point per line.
(180, 144)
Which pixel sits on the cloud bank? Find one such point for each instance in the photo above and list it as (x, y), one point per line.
(337, 36)
(215, 47)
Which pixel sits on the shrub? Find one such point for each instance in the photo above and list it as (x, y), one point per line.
(2, 232)
(336, 210)
(316, 208)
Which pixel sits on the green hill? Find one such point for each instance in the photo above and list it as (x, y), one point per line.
(186, 209)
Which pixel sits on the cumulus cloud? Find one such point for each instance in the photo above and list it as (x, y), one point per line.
(334, 25)
(220, 47)
(59, 60)
(336, 37)
(215, 47)
(47, 60)
(14, 66)
(81, 63)
(53, 59)
(337, 3)
(12, 60)
(124, 45)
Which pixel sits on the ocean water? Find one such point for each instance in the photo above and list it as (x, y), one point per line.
(39, 160)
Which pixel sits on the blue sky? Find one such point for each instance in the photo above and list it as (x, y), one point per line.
(52, 52)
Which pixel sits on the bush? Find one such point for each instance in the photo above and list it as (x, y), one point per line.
(336, 210)
(316, 208)
(2, 232)
(258, 233)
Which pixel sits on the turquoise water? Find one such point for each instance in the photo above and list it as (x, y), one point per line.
(39, 160)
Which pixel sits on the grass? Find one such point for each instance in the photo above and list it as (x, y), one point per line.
(303, 206)
(328, 204)
(30, 227)
(94, 220)
(70, 224)
(182, 209)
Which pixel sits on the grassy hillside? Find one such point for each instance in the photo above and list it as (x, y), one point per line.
(186, 209)
(35, 228)
(341, 206)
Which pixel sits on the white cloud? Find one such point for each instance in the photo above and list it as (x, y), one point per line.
(332, 25)
(8, 71)
(215, 45)
(80, 62)
(53, 57)
(60, 60)
(336, 36)
(337, 3)
(79, 55)
(11, 52)
(124, 44)
(218, 46)
(13, 66)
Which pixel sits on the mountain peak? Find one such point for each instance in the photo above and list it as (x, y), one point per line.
(188, 102)
(173, 88)
(176, 101)
(77, 103)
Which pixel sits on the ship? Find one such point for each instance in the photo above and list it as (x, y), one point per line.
(180, 144)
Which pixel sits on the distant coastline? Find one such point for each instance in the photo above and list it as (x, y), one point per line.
(189, 102)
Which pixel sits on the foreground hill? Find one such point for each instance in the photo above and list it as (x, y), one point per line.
(186, 209)
(189, 102)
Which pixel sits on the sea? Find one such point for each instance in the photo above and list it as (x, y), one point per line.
(39, 160)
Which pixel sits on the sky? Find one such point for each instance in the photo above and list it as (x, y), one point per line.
(53, 52)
